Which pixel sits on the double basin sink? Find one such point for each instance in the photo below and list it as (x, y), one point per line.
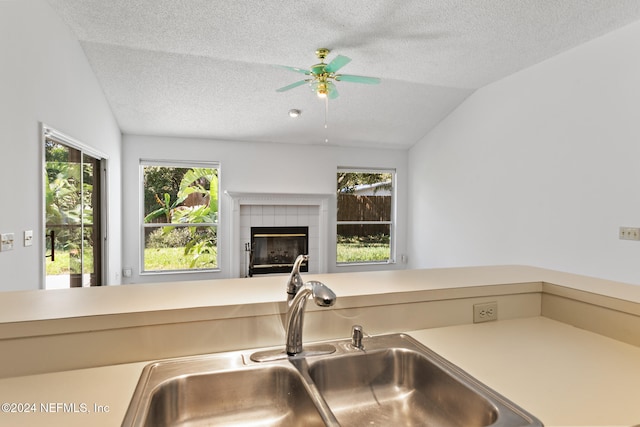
(393, 380)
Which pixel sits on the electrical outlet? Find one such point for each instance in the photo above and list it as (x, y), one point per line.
(629, 233)
(6, 242)
(485, 312)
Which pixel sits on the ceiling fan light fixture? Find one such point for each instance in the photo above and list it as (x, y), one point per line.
(322, 90)
(294, 112)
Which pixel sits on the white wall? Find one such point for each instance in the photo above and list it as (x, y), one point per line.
(540, 168)
(256, 168)
(45, 77)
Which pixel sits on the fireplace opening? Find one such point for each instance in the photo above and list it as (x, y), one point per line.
(274, 249)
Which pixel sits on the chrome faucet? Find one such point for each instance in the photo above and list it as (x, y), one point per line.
(322, 296)
(298, 292)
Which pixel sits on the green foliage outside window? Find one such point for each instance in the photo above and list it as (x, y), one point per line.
(181, 217)
(364, 216)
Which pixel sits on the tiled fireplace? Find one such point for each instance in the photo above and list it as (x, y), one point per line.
(260, 210)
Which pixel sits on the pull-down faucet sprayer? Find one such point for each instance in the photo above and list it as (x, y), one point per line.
(298, 292)
(322, 296)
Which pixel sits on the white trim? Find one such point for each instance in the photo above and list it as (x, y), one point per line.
(351, 169)
(187, 164)
(239, 199)
(47, 132)
(43, 210)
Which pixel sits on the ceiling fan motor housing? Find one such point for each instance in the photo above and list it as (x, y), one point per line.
(318, 69)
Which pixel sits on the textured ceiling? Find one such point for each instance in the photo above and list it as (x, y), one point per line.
(204, 68)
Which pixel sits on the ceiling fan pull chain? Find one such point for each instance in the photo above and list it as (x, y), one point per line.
(326, 114)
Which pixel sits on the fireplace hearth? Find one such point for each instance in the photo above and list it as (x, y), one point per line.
(274, 249)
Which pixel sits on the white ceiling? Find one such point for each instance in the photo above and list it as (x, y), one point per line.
(204, 68)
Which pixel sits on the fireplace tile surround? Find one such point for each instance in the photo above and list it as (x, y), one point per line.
(284, 216)
(278, 209)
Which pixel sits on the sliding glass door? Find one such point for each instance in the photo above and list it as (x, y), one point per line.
(72, 216)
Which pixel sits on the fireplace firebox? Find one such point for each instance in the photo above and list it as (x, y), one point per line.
(274, 249)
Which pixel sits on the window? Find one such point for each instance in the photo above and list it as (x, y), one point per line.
(365, 228)
(180, 216)
(74, 216)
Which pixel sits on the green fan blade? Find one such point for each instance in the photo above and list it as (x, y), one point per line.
(333, 91)
(337, 63)
(357, 79)
(296, 69)
(291, 86)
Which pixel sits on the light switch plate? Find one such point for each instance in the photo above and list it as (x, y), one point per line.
(28, 238)
(629, 233)
(6, 242)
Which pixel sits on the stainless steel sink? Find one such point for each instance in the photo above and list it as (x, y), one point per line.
(398, 387)
(221, 390)
(274, 396)
(394, 380)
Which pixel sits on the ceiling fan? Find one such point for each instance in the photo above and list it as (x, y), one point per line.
(322, 76)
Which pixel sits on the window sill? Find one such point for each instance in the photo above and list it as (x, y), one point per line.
(364, 264)
(179, 272)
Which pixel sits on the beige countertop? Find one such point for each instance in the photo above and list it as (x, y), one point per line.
(563, 375)
(26, 306)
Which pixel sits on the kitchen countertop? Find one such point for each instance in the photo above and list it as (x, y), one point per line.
(232, 294)
(563, 375)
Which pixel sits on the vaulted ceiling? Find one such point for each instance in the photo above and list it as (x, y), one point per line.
(205, 68)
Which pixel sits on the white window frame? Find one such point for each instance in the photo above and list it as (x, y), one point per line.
(391, 223)
(143, 225)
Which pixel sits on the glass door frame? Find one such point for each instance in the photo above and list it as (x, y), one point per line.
(48, 132)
